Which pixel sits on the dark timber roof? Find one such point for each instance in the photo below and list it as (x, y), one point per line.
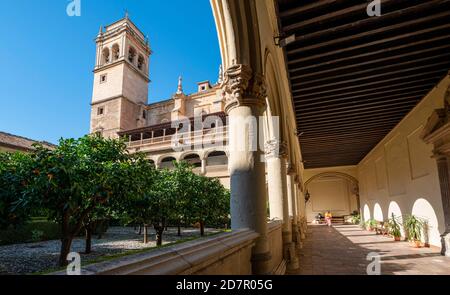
(354, 77)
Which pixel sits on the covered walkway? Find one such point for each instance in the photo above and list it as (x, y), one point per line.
(343, 249)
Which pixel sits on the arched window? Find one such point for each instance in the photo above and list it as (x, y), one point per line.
(105, 56)
(131, 54)
(115, 52)
(141, 62)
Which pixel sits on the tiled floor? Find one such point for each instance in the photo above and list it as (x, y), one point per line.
(343, 249)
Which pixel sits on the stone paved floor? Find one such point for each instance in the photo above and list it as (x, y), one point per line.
(343, 249)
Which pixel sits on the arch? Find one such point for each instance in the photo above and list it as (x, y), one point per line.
(163, 121)
(131, 54)
(115, 52)
(192, 158)
(346, 176)
(395, 211)
(366, 214)
(216, 158)
(378, 213)
(105, 56)
(141, 62)
(424, 210)
(166, 161)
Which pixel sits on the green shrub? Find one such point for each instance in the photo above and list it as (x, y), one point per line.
(30, 232)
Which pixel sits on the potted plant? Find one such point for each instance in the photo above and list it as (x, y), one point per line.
(394, 228)
(371, 224)
(414, 228)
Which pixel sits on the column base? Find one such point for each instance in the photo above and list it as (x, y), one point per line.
(261, 263)
(445, 240)
(296, 236)
(293, 262)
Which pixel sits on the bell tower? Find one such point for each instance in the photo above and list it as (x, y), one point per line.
(121, 77)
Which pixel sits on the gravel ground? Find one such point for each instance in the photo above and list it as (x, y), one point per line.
(36, 257)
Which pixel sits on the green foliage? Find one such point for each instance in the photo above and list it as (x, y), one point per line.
(371, 224)
(14, 172)
(414, 227)
(394, 226)
(355, 219)
(43, 230)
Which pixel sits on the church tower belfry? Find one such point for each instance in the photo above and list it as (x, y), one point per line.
(121, 77)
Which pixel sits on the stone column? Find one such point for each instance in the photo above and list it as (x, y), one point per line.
(293, 205)
(203, 167)
(276, 161)
(244, 95)
(443, 165)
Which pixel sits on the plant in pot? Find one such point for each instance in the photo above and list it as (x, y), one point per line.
(414, 228)
(394, 228)
(371, 224)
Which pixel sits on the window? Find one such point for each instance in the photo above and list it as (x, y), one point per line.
(141, 62)
(103, 78)
(131, 54)
(115, 52)
(144, 114)
(100, 111)
(105, 56)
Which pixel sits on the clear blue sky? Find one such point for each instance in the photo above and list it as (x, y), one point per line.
(47, 58)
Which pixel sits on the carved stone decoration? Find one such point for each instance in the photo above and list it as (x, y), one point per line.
(240, 87)
(275, 148)
(437, 132)
(290, 169)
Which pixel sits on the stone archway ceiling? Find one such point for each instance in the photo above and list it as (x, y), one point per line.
(354, 77)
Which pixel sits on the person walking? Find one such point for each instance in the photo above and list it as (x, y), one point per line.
(328, 217)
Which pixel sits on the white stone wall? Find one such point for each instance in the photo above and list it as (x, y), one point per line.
(399, 176)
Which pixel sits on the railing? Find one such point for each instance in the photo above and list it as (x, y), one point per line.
(199, 137)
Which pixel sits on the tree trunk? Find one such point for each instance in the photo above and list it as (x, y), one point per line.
(140, 230)
(145, 234)
(202, 228)
(88, 244)
(66, 244)
(179, 229)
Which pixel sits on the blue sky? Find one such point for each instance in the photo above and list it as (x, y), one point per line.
(47, 58)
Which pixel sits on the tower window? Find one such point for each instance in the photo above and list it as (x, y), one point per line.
(105, 56)
(115, 52)
(100, 111)
(144, 114)
(103, 78)
(131, 54)
(141, 62)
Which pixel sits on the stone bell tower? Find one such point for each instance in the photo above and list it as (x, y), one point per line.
(121, 77)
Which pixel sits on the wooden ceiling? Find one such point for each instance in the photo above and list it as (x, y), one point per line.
(354, 77)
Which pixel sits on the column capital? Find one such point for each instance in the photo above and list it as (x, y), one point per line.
(275, 148)
(241, 87)
(290, 169)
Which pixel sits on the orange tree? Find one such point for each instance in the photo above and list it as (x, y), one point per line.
(77, 177)
(14, 172)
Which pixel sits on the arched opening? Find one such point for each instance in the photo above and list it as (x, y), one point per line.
(167, 163)
(394, 211)
(141, 62)
(152, 163)
(105, 56)
(115, 52)
(378, 213)
(131, 54)
(424, 210)
(366, 214)
(193, 159)
(217, 158)
(334, 191)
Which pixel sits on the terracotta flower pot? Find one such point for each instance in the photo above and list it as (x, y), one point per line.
(397, 239)
(417, 244)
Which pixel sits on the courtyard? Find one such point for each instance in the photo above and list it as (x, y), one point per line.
(343, 250)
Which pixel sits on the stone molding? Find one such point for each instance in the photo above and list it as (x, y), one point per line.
(241, 87)
(290, 169)
(186, 258)
(275, 148)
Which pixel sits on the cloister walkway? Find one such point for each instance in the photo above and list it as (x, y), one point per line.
(343, 250)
